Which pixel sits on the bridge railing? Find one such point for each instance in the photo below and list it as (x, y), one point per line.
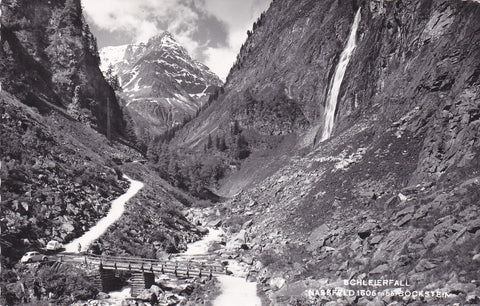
(185, 267)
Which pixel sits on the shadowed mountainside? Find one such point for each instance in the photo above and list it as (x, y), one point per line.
(49, 56)
(394, 192)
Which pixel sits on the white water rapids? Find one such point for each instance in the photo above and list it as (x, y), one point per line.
(338, 78)
(235, 289)
(116, 211)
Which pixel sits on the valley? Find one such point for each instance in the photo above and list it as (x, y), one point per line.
(338, 164)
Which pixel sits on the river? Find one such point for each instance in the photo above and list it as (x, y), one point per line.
(235, 289)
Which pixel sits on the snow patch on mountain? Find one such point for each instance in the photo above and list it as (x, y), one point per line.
(112, 56)
(160, 71)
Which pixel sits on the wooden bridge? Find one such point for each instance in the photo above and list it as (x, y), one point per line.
(143, 270)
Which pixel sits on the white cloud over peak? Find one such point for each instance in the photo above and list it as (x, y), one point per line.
(211, 30)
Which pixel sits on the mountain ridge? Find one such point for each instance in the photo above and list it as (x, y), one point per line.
(160, 82)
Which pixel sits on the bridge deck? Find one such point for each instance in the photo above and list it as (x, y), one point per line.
(191, 267)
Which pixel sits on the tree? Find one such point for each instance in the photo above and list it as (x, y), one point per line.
(111, 78)
(236, 128)
(209, 141)
(73, 108)
(242, 150)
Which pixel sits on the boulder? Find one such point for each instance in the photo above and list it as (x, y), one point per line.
(214, 246)
(365, 230)
(156, 289)
(148, 296)
(318, 237)
(376, 239)
(473, 299)
(247, 224)
(103, 296)
(215, 223)
(430, 239)
(406, 211)
(171, 299)
(202, 230)
(404, 220)
(473, 226)
(394, 243)
(424, 265)
(247, 259)
(380, 269)
(402, 197)
(276, 283)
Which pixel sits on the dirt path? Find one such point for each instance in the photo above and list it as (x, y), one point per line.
(116, 211)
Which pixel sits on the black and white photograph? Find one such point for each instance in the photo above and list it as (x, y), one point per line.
(239, 153)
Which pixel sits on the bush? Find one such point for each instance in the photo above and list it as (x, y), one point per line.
(67, 284)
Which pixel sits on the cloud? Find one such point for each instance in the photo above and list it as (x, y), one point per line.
(211, 30)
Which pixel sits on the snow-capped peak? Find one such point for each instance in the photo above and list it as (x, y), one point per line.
(112, 55)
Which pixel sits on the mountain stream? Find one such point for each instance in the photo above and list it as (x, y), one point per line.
(235, 289)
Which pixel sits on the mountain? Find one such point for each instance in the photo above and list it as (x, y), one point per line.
(49, 59)
(59, 169)
(161, 84)
(392, 191)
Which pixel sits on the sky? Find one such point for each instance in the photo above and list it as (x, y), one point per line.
(211, 30)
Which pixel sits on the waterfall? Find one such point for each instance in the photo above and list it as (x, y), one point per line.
(338, 78)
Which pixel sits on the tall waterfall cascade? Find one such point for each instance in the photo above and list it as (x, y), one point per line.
(338, 78)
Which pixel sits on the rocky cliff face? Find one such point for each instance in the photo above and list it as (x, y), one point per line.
(394, 192)
(49, 57)
(161, 84)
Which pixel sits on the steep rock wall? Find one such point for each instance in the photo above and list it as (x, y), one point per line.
(49, 55)
(394, 192)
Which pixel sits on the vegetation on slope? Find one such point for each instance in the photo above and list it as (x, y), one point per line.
(51, 188)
